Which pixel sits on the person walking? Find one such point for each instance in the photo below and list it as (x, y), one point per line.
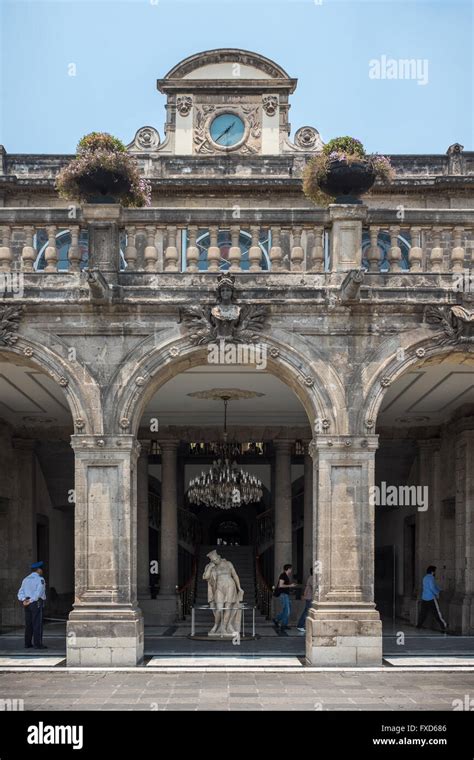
(32, 594)
(308, 598)
(429, 599)
(283, 589)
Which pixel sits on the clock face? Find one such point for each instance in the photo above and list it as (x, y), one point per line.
(227, 130)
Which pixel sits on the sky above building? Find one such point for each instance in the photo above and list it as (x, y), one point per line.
(396, 75)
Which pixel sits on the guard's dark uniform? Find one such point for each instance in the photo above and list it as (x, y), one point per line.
(33, 589)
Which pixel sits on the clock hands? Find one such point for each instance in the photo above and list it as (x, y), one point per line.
(225, 131)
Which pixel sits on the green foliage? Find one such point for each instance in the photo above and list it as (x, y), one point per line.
(100, 141)
(346, 145)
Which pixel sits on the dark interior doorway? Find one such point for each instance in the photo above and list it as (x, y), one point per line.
(228, 530)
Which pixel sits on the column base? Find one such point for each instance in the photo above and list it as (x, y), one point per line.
(160, 611)
(348, 636)
(461, 614)
(105, 636)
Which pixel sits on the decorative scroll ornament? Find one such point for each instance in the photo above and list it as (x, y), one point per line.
(308, 138)
(270, 104)
(146, 139)
(9, 323)
(184, 103)
(226, 320)
(456, 323)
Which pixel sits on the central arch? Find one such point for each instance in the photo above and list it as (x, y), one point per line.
(314, 381)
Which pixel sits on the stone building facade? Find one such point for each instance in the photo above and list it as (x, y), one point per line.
(367, 385)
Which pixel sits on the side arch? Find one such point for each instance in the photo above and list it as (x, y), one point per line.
(393, 367)
(81, 391)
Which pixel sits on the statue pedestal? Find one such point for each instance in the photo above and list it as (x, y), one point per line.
(217, 637)
(240, 634)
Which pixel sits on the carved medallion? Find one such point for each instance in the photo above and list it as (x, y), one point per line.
(307, 138)
(146, 139)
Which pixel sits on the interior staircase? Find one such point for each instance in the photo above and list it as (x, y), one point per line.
(242, 557)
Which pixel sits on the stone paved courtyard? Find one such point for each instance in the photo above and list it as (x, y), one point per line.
(391, 690)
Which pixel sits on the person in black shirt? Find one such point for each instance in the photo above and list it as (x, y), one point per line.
(284, 586)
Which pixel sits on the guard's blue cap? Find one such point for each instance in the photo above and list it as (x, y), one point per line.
(36, 565)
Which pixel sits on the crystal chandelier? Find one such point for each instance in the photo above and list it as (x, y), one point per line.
(225, 486)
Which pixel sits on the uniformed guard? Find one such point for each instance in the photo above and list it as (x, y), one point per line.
(32, 595)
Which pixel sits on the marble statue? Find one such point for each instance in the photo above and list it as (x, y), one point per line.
(223, 592)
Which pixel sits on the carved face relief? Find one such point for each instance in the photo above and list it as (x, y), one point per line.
(270, 104)
(184, 104)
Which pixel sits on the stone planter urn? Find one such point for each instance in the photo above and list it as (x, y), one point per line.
(348, 180)
(103, 186)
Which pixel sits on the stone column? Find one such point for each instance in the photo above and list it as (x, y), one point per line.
(308, 516)
(427, 520)
(169, 532)
(283, 525)
(343, 626)
(461, 609)
(106, 625)
(20, 529)
(346, 236)
(143, 522)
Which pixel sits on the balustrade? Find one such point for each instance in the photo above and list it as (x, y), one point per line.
(436, 241)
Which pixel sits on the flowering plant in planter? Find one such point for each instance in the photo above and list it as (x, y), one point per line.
(343, 171)
(103, 172)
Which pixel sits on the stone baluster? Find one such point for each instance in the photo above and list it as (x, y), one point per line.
(255, 252)
(297, 253)
(192, 251)
(395, 252)
(457, 252)
(415, 254)
(171, 252)
(317, 253)
(235, 254)
(213, 252)
(436, 255)
(74, 253)
(51, 252)
(373, 254)
(6, 257)
(131, 249)
(28, 253)
(276, 256)
(151, 252)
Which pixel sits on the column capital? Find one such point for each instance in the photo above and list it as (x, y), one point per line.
(337, 443)
(429, 444)
(145, 447)
(465, 428)
(101, 444)
(168, 444)
(283, 445)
